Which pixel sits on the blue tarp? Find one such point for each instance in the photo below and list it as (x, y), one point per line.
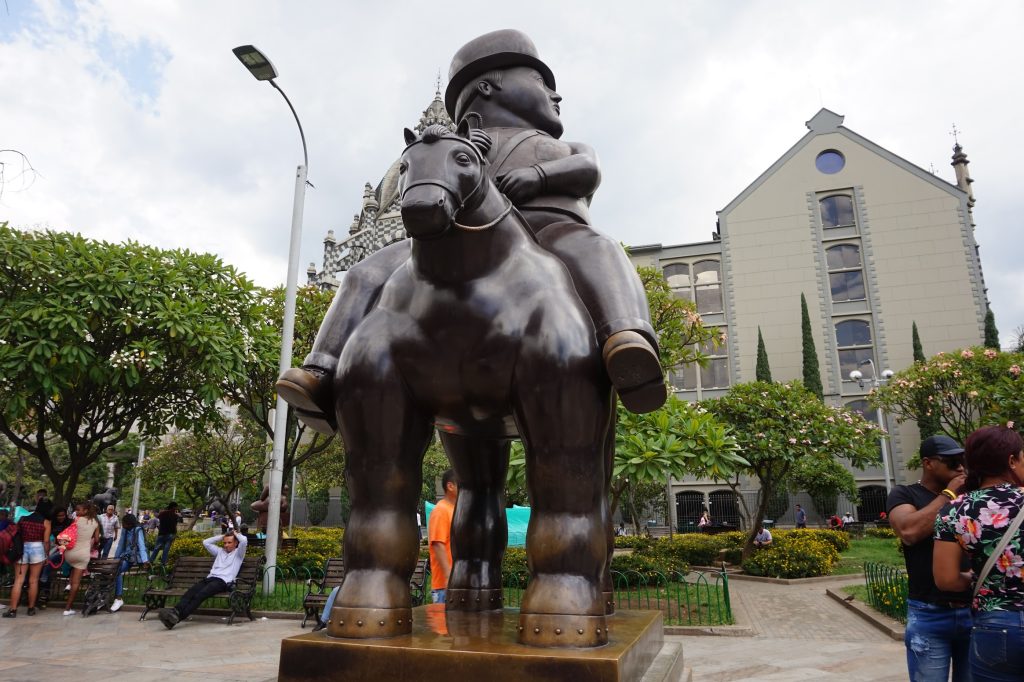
(518, 519)
(19, 511)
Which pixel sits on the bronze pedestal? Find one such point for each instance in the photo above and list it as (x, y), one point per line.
(469, 646)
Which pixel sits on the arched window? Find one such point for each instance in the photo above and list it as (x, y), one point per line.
(872, 503)
(845, 272)
(689, 507)
(724, 509)
(864, 409)
(715, 374)
(707, 276)
(678, 277)
(853, 338)
(836, 211)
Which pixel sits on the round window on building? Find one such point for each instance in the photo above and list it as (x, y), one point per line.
(830, 161)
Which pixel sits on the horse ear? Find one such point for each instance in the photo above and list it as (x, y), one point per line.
(410, 136)
(463, 129)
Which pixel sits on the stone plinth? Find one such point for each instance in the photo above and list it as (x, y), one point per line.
(472, 646)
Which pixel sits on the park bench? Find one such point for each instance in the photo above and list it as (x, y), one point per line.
(99, 592)
(191, 569)
(313, 602)
(334, 575)
(715, 530)
(854, 528)
(658, 531)
(289, 544)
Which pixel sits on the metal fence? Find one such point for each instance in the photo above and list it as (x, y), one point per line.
(887, 589)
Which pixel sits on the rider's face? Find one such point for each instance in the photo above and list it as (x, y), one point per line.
(524, 94)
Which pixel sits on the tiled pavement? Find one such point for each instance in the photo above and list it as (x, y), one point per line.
(801, 634)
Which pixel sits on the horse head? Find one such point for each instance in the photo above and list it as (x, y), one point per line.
(442, 173)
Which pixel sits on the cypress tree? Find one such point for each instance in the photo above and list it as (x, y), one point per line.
(763, 372)
(991, 333)
(928, 424)
(918, 348)
(812, 374)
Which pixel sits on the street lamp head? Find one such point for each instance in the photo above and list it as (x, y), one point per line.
(257, 63)
(888, 374)
(856, 375)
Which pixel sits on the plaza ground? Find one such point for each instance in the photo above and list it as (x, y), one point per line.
(798, 634)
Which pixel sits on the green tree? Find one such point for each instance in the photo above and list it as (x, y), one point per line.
(763, 372)
(812, 374)
(991, 332)
(100, 339)
(679, 439)
(682, 336)
(779, 426)
(929, 422)
(209, 466)
(965, 389)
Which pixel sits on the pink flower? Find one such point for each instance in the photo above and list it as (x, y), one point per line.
(990, 353)
(1015, 370)
(967, 353)
(1009, 425)
(792, 441)
(993, 515)
(1010, 564)
(969, 531)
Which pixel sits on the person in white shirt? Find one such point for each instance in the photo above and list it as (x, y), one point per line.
(847, 518)
(227, 561)
(109, 525)
(763, 538)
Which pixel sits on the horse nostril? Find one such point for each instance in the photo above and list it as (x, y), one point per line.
(440, 202)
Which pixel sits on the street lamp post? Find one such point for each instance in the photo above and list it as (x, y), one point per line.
(261, 68)
(857, 376)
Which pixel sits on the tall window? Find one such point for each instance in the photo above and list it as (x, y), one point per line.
(715, 374)
(678, 277)
(853, 338)
(707, 280)
(845, 272)
(837, 211)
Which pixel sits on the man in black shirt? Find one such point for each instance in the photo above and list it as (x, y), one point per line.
(169, 521)
(938, 623)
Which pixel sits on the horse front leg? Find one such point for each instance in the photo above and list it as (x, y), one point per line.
(564, 421)
(479, 528)
(385, 438)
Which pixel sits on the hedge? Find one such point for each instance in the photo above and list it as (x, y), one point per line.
(793, 555)
(316, 545)
(883, 532)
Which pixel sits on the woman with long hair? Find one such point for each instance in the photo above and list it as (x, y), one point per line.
(78, 556)
(976, 525)
(35, 534)
(130, 551)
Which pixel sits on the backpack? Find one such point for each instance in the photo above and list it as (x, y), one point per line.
(70, 534)
(11, 545)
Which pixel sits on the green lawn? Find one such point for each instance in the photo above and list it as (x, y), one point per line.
(876, 550)
(858, 591)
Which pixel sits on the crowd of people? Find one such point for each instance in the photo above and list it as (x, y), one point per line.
(53, 541)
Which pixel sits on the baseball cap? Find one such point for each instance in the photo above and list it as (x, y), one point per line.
(940, 446)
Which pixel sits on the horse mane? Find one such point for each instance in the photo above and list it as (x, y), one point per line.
(434, 132)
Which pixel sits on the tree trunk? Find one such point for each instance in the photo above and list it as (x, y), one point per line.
(765, 494)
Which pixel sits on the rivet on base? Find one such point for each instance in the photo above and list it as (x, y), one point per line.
(536, 631)
(558, 631)
(579, 631)
(360, 624)
(380, 623)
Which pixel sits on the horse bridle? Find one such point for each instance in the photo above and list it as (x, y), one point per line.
(454, 192)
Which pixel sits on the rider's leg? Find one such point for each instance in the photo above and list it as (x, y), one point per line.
(564, 409)
(385, 437)
(479, 528)
(308, 389)
(613, 295)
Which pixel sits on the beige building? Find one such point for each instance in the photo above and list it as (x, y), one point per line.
(872, 241)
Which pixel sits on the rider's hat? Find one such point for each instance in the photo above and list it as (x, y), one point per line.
(495, 50)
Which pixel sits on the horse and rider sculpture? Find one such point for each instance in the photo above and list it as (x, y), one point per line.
(504, 316)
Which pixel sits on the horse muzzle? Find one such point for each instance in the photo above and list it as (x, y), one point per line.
(427, 213)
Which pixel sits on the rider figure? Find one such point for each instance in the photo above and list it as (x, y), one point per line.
(498, 82)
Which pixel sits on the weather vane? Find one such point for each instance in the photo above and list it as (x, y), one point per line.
(437, 83)
(956, 132)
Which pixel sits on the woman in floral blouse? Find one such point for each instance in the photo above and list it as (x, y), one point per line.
(974, 526)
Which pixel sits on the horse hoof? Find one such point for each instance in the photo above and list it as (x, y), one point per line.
(354, 622)
(562, 630)
(636, 372)
(306, 388)
(474, 600)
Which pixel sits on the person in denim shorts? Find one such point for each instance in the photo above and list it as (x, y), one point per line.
(35, 533)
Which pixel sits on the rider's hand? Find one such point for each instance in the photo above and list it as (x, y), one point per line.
(480, 140)
(521, 184)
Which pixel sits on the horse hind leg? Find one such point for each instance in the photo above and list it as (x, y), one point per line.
(385, 438)
(479, 528)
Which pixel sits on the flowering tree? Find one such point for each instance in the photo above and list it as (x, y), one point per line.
(682, 336)
(786, 434)
(98, 339)
(965, 389)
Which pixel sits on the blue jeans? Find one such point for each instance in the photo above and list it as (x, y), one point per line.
(165, 542)
(997, 646)
(105, 546)
(935, 637)
(125, 564)
(438, 596)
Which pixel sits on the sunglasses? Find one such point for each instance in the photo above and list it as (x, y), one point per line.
(951, 461)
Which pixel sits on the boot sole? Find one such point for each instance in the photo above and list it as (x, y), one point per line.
(636, 374)
(297, 396)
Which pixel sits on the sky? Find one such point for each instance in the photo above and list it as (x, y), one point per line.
(132, 119)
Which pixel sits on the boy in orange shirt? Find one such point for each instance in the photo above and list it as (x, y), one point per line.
(439, 531)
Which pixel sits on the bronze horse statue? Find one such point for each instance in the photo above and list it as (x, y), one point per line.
(482, 335)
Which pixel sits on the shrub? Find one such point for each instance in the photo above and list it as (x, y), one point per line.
(884, 532)
(514, 562)
(633, 541)
(793, 557)
(838, 539)
(651, 570)
(316, 545)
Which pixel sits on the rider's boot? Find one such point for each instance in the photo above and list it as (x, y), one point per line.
(308, 390)
(634, 368)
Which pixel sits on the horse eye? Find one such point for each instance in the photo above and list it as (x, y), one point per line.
(463, 159)
(402, 167)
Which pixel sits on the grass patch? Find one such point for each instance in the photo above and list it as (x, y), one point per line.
(876, 550)
(860, 592)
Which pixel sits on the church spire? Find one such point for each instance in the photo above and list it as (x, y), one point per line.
(435, 113)
(963, 179)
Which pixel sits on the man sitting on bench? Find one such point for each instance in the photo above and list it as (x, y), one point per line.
(226, 563)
